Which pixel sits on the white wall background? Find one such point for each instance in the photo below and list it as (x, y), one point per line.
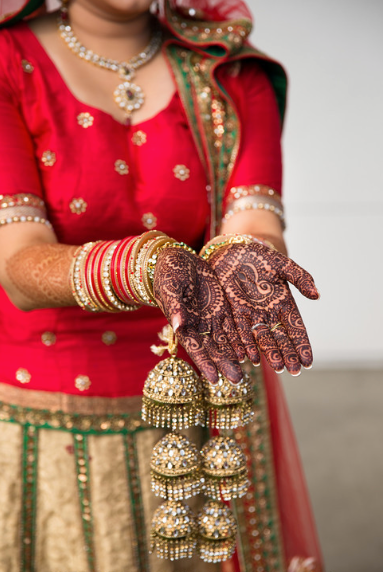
(333, 53)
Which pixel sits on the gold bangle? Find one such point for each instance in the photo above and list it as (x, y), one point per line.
(125, 272)
(139, 275)
(77, 281)
(209, 248)
(149, 262)
(140, 241)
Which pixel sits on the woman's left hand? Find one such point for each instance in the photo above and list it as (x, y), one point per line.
(255, 280)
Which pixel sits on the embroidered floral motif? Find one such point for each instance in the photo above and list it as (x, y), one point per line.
(48, 158)
(149, 220)
(27, 66)
(109, 338)
(82, 382)
(85, 119)
(181, 172)
(139, 138)
(48, 338)
(23, 375)
(121, 167)
(78, 206)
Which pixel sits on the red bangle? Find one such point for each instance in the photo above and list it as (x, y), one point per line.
(116, 271)
(97, 276)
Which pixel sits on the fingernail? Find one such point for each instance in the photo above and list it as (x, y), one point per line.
(242, 360)
(296, 374)
(307, 367)
(279, 370)
(234, 382)
(175, 324)
(256, 364)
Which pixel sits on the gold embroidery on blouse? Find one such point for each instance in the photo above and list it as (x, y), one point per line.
(27, 66)
(121, 167)
(48, 338)
(85, 119)
(181, 172)
(139, 138)
(21, 200)
(78, 206)
(82, 382)
(149, 220)
(48, 158)
(22, 207)
(109, 338)
(253, 190)
(23, 375)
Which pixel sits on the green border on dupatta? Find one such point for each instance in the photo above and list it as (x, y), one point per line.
(13, 17)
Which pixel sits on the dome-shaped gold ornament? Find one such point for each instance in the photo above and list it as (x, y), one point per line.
(228, 405)
(175, 468)
(173, 392)
(173, 534)
(216, 532)
(224, 469)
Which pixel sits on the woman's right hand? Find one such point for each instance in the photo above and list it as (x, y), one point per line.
(189, 294)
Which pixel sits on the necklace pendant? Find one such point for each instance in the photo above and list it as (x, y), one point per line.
(126, 72)
(129, 97)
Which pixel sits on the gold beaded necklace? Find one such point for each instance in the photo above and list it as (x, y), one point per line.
(128, 96)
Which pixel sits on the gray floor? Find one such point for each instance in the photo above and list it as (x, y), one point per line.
(338, 418)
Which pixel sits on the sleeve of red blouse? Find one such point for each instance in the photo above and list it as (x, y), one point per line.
(259, 160)
(18, 169)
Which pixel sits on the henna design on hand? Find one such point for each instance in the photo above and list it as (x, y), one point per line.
(189, 294)
(41, 274)
(254, 279)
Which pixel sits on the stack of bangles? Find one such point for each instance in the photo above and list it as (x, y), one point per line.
(226, 239)
(117, 275)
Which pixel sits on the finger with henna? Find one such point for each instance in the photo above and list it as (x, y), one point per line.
(300, 278)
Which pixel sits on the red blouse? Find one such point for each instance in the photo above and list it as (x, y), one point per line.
(103, 180)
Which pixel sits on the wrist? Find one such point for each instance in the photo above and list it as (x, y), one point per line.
(226, 239)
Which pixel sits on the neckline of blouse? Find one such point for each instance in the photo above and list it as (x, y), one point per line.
(79, 102)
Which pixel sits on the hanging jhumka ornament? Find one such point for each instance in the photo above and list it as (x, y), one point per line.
(175, 468)
(173, 398)
(173, 393)
(217, 528)
(176, 398)
(224, 469)
(173, 532)
(128, 96)
(228, 405)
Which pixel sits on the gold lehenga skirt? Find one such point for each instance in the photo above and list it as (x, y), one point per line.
(75, 490)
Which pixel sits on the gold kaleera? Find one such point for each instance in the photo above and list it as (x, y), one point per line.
(224, 469)
(173, 534)
(175, 468)
(173, 392)
(228, 405)
(217, 530)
